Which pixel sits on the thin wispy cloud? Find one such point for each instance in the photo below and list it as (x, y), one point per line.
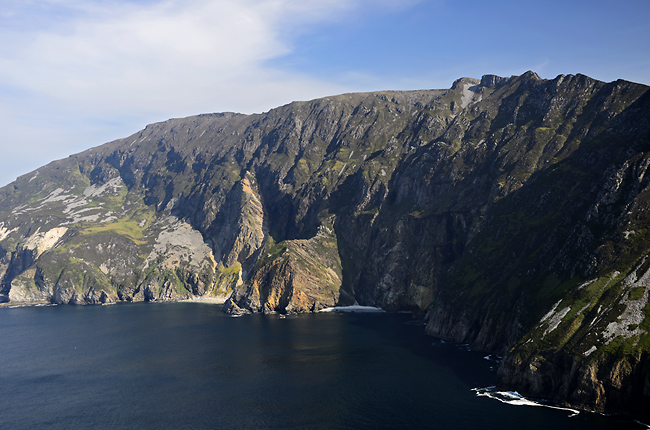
(156, 56)
(91, 64)
(78, 73)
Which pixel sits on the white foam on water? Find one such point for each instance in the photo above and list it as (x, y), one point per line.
(493, 357)
(353, 308)
(516, 399)
(28, 305)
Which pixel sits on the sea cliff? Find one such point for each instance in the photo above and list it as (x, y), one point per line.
(513, 212)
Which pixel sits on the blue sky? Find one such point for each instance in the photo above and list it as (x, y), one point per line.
(78, 73)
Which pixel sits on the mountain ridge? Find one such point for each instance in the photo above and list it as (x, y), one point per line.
(512, 211)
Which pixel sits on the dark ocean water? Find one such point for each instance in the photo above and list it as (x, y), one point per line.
(189, 366)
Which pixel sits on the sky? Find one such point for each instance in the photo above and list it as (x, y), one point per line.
(75, 74)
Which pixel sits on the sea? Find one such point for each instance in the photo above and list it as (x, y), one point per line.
(190, 366)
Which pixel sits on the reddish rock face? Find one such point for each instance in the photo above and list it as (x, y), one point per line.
(305, 276)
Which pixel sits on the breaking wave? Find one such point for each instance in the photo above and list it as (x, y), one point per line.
(353, 308)
(516, 399)
(28, 305)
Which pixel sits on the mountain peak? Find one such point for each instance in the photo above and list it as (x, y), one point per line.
(465, 81)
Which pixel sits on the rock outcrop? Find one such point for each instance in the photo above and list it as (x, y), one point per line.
(294, 276)
(513, 211)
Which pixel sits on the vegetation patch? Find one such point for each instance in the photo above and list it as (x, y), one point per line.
(272, 251)
(129, 228)
(636, 293)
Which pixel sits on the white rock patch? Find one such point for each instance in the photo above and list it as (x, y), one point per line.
(5, 232)
(42, 242)
(555, 320)
(56, 196)
(628, 323)
(113, 185)
(551, 312)
(180, 242)
(468, 96)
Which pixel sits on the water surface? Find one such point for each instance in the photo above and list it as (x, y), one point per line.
(189, 366)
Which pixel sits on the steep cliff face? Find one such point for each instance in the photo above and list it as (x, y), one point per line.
(591, 348)
(292, 277)
(513, 211)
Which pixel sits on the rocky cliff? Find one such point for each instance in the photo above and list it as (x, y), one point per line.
(513, 211)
